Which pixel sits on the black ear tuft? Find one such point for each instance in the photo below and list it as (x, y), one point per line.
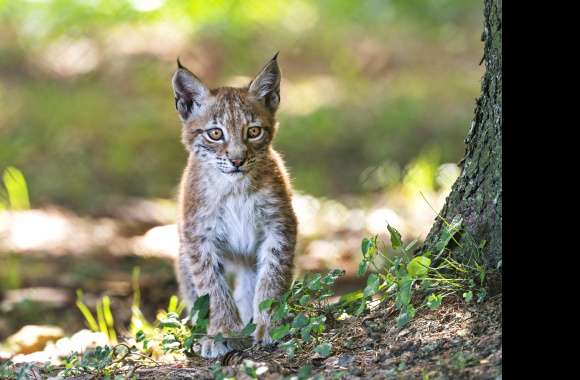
(179, 65)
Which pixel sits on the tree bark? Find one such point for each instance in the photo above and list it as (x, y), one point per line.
(476, 196)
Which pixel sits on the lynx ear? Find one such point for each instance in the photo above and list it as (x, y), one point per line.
(189, 91)
(266, 86)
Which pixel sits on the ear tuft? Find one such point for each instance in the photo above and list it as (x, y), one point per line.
(266, 86)
(189, 91)
(179, 65)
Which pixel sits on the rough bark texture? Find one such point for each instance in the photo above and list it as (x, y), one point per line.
(477, 194)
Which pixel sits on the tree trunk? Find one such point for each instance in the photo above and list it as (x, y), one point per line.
(476, 196)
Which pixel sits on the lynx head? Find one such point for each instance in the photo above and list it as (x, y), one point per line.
(228, 129)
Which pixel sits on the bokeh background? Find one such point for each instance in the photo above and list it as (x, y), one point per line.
(377, 97)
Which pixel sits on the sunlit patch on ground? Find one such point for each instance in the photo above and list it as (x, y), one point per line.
(329, 230)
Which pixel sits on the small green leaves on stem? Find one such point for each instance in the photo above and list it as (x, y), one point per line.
(280, 332)
(403, 276)
(419, 266)
(323, 349)
(372, 287)
(396, 241)
(433, 301)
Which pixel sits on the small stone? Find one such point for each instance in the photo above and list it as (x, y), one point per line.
(32, 338)
(357, 371)
(345, 360)
(403, 332)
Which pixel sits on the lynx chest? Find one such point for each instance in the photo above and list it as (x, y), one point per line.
(240, 224)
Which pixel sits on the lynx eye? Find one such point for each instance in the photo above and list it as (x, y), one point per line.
(215, 134)
(254, 132)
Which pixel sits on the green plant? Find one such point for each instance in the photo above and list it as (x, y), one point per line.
(9, 370)
(181, 334)
(14, 193)
(303, 313)
(430, 279)
(138, 320)
(97, 362)
(105, 322)
(105, 362)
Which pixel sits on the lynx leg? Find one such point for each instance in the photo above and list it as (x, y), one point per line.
(274, 275)
(187, 291)
(208, 278)
(244, 293)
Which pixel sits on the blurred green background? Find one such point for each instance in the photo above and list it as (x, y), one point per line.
(377, 97)
(87, 111)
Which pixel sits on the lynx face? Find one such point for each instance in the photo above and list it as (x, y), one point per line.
(228, 129)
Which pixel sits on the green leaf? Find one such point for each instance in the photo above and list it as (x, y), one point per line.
(280, 312)
(173, 306)
(406, 314)
(248, 330)
(448, 232)
(304, 372)
(305, 333)
(250, 371)
(365, 246)
(361, 307)
(373, 283)
(396, 241)
(17, 189)
(481, 295)
(336, 273)
(300, 321)
(140, 336)
(290, 348)
(304, 299)
(323, 349)
(404, 293)
(201, 305)
(419, 266)
(170, 342)
(266, 304)
(332, 276)
(170, 322)
(188, 342)
(434, 301)
(280, 332)
(317, 324)
(362, 268)
(92, 323)
(314, 283)
(468, 296)
(351, 297)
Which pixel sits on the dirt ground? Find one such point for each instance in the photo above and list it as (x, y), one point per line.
(457, 341)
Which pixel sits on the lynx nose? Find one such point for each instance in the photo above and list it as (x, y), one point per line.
(237, 163)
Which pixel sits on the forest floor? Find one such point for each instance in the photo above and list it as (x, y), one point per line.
(453, 342)
(456, 341)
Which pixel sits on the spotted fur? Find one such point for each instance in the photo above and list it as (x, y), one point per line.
(235, 211)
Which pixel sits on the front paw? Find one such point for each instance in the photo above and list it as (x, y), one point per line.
(211, 349)
(262, 334)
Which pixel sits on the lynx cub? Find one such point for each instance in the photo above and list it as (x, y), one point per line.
(235, 211)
